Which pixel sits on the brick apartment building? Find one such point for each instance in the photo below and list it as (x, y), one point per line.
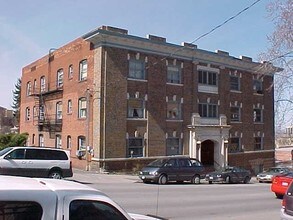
(132, 97)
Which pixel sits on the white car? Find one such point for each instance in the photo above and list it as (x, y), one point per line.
(23, 198)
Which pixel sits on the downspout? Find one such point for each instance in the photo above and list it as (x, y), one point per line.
(104, 103)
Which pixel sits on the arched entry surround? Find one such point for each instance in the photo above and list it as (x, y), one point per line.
(204, 134)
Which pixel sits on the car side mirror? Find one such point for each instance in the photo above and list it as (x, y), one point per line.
(7, 157)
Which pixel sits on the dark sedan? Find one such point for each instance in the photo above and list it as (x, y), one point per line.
(170, 169)
(229, 175)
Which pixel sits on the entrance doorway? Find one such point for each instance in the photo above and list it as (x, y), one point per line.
(207, 153)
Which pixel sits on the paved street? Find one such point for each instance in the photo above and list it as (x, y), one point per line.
(187, 201)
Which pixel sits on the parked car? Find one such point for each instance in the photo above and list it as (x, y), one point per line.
(229, 175)
(177, 169)
(267, 175)
(280, 184)
(286, 212)
(35, 162)
(25, 198)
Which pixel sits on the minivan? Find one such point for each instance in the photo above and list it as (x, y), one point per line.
(35, 162)
(174, 168)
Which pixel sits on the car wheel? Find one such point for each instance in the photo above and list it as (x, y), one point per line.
(55, 174)
(195, 179)
(228, 179)
(246, 180)
(279, 196)
(162, 180)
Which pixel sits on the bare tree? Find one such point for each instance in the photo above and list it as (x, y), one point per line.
(280, 53)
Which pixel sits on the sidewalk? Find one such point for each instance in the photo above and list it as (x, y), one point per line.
(94, 177)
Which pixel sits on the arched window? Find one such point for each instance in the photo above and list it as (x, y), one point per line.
(70, 71)
(58, 143)
(43, 84)
(59, 78)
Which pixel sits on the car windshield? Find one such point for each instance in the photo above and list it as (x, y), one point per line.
(157, 163)
(5, 150)
(274, 170)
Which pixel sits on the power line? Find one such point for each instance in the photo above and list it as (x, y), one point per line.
(226, 21)
(213, 29)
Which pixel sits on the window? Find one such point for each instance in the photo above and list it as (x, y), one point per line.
(42, 113)
(27, 114)
(136, 69)
(136, 108)
(208, 110)
(91, 209)
(82, 108)
(234, 83)
(33, 139)
(20, 210)
(257, 115)
(16, 154)
(58, 143)
(83, 70)
(68, 142)
(69, 106)
(28, 89)
(59, 78)
(257, 86)
(258, 143)
(70, 71)
(234, 146)
(173, 110)
(235, 113)
(35, 86)
(81, 143)
(207, 78)
(59, 111)
(173, 146)
(43, 84)
(174, 75)
(135, 147)
(41, 140)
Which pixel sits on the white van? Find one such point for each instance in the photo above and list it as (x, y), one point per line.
(35, 162)
(24, 198)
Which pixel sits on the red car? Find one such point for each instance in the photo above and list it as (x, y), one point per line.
(280, 184)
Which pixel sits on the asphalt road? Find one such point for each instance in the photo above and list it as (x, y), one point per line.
(187, 201)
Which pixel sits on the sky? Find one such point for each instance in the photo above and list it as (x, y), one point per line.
(29, 28)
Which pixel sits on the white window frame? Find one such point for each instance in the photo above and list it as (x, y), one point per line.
(83, 67)
(60, 78)
(69, 142)
(234, 83)
(69, 106)
(174, 110)
(82, 107)
(41, 140)
(205, 113)
(59, 110)
(235, 116)
(258, 115)
(70, 71)
(58, 143)
(28, 88)
(43, 84)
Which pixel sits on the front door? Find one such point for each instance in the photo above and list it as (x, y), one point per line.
(207, 153)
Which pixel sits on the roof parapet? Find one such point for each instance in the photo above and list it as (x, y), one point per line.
(189, 45)
(221, 52)
(244, 58)
(114, 29)
(156, 38)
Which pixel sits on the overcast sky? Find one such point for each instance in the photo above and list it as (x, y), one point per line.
(29, 28)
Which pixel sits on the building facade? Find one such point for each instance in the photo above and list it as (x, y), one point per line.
(116, 96)
(7, 120)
